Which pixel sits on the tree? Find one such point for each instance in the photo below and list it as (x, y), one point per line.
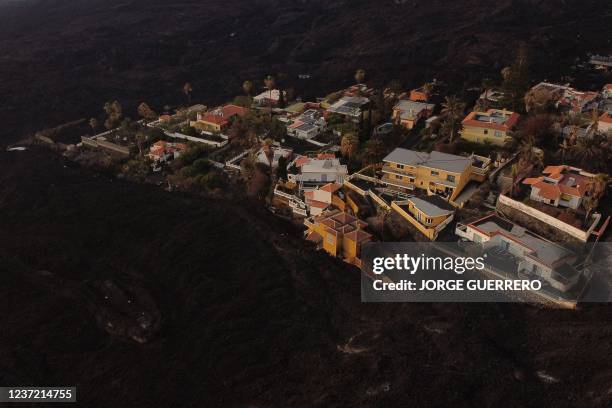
(281, 98)
(538, 100)
(268, 150)
(269, 83)
(453, 109)
(360, 76)
(141, 139)
(588, 151)
(383, 214)
(187, 90)
(589, 203)
(373, 151)
(247, 87)
(538, 127)
(516, 77)
(93, 123)
(281, 169)
(349, 145)
(515, 171)
(145, 112)
(428, 89)
(114, 113)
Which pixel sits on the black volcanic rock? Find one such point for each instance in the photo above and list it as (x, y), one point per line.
(243, 313)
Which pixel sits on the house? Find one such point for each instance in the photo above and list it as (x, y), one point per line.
(408, 113)
(436, 172)
(162, 151)
(532, 256)
(351, 107)
(567, 98)
(339, 234)
(419, 95)
(316, 171)
(602, 62)
(607, 91)
(269, 98)
(322, 197)
(274, 152)
(493, 126)
(605, 122)
(578, 132)
(219, 119)
(308, 125)
(493, 95)
(560, 186)
(429, 214)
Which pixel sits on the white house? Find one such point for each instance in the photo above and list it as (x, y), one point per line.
(560, 186)
(313, 172)
(534, 256)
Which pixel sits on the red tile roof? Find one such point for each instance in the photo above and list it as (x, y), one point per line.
(222, 115)
(606, 117)
(567, 183)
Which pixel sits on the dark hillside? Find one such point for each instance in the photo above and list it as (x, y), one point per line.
(62, 59)
(238, 313)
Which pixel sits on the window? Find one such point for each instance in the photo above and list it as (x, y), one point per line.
(428, 220)
(434, 173)
(411, 179)
(450, 178)
(498, 133)
(330, 239)
(400, 166)
(486, 131)
(397, 176)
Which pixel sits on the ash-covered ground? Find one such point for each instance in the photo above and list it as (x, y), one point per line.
(214, 303)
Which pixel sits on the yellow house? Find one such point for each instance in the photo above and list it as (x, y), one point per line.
(493, 126)
(339, 234)
(436, 172)
(430, 215)
(409, 113)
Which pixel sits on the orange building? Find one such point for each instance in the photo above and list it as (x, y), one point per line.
(339, 234)
(220, 119)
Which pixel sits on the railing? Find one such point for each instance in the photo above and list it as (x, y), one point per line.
(395, 170)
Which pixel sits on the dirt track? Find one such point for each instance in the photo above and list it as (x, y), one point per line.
(249, 316)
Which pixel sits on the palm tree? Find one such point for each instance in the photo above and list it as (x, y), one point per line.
(145, 111)
(93, 123)
(515, 171)
(141, 139)
(383, 213)
(247, 87)
(269, 83)
(453, 108)
(599, 185)
(428, 89)
(268, 151)
(589, 203)
(187, 90)
(588, 151)
(348, 145)
(360, 76)
(564, 148)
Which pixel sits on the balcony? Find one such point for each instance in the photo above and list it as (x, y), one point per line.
(395, 170)
(392, 181)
